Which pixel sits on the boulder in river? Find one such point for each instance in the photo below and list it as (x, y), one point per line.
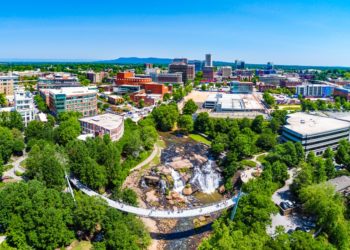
(187, 191)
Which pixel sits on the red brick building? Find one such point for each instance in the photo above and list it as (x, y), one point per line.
(129, 78)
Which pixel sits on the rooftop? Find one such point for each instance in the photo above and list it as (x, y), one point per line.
(340, 183)
(73, 90)
(306, 124)
(108, 120)
(235, 101)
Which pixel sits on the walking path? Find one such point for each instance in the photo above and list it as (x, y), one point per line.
(16, 167)
(160, 214)
(289, 222)
(155, 151)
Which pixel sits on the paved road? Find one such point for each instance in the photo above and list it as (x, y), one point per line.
(160, 214)
(16, 167)
(155, 151)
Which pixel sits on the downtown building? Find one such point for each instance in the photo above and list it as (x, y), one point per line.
(181, 65)
(314, 90)
(80, 99)
(315, 133)
(99, 125)
(57, 81)
(7, 84)
(23, 104)
(226, 71)
(208, 73)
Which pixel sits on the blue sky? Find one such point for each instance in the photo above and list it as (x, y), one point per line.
(286, 32)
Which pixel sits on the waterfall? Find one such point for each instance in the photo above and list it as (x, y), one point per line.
(178, 182)
(162, 186)
(206, 178)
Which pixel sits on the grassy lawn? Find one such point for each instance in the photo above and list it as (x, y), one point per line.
(200, 138)
(23, 163)
(290, 107)
(261, 158)
(81, 245)
(249, 163)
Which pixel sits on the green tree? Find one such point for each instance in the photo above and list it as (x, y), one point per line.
(322, 201)
(11, 120)
(266, 141)
(258, 124)
(35, 217)
(269, 99)
(67, 130)
(124, 231)
(2, 100)
(330, 168)
(6, 143)
(149, 136)
(37, 130)
(165, 116)
(203, 123)
(89, 213)
(45, 164)
(189, 108)
(185, 123)
(18, 142)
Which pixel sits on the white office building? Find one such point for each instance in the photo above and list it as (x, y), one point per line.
(315, 133)
(24, 104)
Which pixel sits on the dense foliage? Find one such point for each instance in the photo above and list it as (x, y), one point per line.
(36, 217)
(165, 116)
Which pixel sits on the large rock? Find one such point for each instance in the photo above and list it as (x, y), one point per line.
(164, 170)
(222, 189)
(187, 191)
(185, 163)
(151, 180)
(199, 158)
(202, 219)
(151, 196)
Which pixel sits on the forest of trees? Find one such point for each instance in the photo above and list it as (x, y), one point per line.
(37, 214)
(36, 217)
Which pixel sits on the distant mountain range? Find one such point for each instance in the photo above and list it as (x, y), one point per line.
(153, 60)
(156, 60)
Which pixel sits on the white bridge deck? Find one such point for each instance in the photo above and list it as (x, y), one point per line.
(153, 213)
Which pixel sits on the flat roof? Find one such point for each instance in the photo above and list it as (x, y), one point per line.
(306, 124)
(235, 101)
(73, 91)
(108, 120)
(340, 182)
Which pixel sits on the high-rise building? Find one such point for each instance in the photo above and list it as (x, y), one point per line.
(181, 65)
(198, 65)
(6, 84)
(270, 66)
(208, 61)
(95, 77)
(239, 64)
(24, 104)
(79, 99)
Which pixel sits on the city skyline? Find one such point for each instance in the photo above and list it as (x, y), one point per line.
(289, 32)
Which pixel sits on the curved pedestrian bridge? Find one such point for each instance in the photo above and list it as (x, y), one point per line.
(154, 213)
